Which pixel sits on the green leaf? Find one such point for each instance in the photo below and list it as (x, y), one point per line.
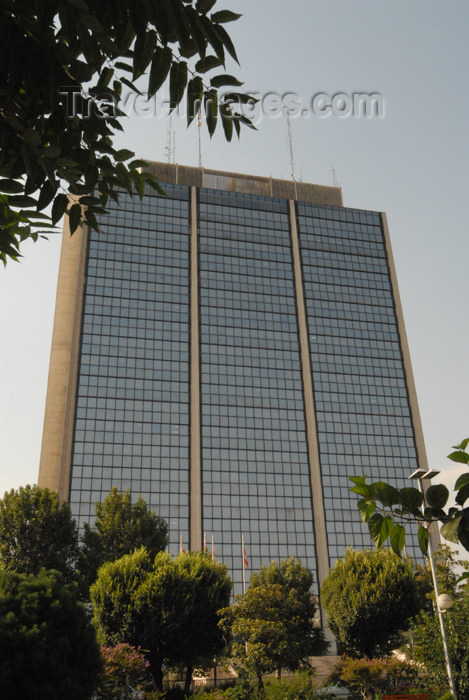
(31, 137)
(21, 201)
(410, 499)
(211, 110)
(226, 39)
(463, 495)
(130, 85)
(123, 154)
(437, 496)
(221, 80)
(227, 121)
(459, 456)
(91, 220)
(361, 487)
(177, 83)
(11, 186)
(204, 6)
(75, 217)
(397, 538)
(223, 16)
(386, 528)
(195, 90)
(374, 525)
(462, 485)
(464, 576)
(366, 508)
(461, 481)
(160, 65)
(105, 77)
(80, 4)
(423, 537)
(463, 529)
(143, 51)
(386, 494)
(464, 444)
(450, 529)
(59, 207)
(89, 200)
(46, 195)
(207, 63)
(91, 22)
(213, 37)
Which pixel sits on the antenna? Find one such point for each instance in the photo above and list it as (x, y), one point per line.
(199, 127)
(290, 145)
(334, 178)
(169, 148)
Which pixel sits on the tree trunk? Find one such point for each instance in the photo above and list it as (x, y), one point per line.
(188, 681)
(260, 685)
(156, 670)
(279, 673)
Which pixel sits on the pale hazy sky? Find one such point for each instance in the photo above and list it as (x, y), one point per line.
(410, 163)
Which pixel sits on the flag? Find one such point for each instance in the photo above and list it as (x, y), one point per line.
(213, 550)
(205, 545)
(245, 559)
(181, 548)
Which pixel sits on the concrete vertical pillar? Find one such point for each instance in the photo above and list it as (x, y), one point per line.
(195, 463)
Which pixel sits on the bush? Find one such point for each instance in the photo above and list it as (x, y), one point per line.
(299, 688)
(368, 676)
(125, 670)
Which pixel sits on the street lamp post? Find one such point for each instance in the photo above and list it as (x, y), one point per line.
(441, 604)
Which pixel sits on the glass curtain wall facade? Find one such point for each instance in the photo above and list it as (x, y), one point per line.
(240, 304)
(132, 407)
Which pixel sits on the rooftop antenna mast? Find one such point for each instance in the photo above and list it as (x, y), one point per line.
(334, 177)
(290, 145)
(170, 141)
(199, 134)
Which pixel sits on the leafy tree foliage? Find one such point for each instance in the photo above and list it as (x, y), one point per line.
(120, 527)
(428, 646)
(63, 67)
(369, 597)
(272, 624)
(37, 530)
(385, 508)
(48, 648)
(168, 607)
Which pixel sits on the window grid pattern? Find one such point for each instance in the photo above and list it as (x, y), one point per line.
(254, 449)
(132, 410)
(362, 407)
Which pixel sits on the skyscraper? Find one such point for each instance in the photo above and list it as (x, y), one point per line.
(233, 352)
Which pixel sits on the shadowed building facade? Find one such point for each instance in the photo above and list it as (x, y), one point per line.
(233, 352)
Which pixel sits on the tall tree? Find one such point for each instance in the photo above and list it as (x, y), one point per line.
(120, 527)
(370, 597)
(48, 647)
(208, 590)
(37, 530)
(63, 67)
(272, 624)
(168, 607)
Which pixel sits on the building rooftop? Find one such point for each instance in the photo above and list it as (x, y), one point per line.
(247, 184)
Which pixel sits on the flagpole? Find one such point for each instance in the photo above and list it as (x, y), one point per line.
(213, 549)
(243, 558)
